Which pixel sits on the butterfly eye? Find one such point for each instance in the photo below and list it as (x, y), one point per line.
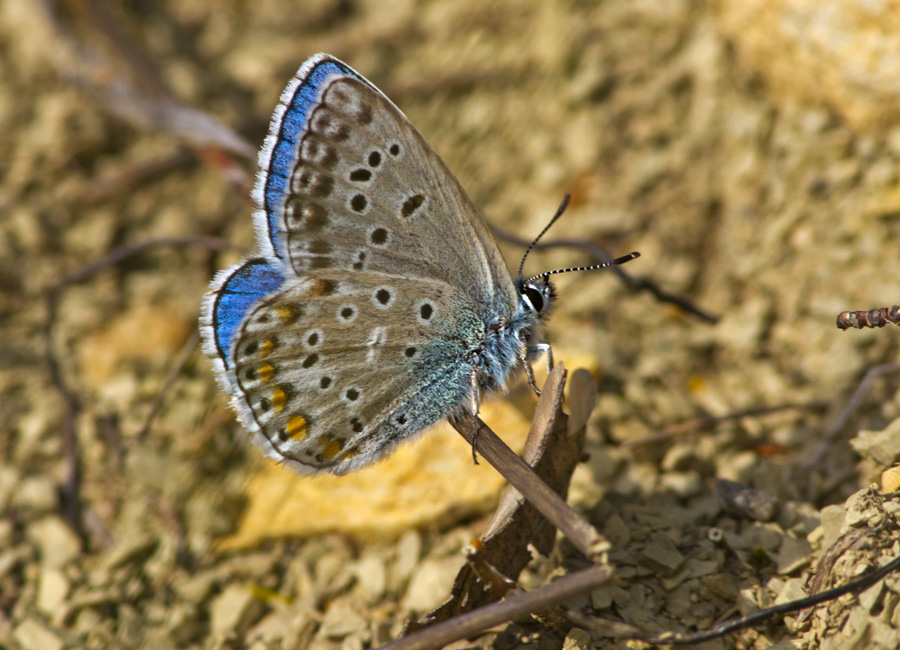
(533, 297)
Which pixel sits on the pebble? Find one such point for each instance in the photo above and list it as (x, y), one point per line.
(793, 554)
(371, 577)
(662, 556)
(409, 550)
(342, 620)
(129, 550)
(53, 587)
(34, 635)
(430, 583)
(832, 522)
(182, 625)
(234, 611)
(881, 446)
(890, 480)
(37, 495)
(57, 542)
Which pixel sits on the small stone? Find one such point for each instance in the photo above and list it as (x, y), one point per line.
(409, 550)
(791, 590)
(53, 587)
(429, 585)
(747, 601)
(234, 611)
(196, 588)
(183, 625)
(678, 578)
(881, 446)
(273, 627)
(33, 635)
(832, 522)
(342, 620)
(793, 554)
(37, 495)
(723, 585)
(743, 501)
(132, 549)
(86, 621)
(700, 568)
(662, 556)
(766, 536)
(371, 577)
(890, 480)
(602, 598)
(577, 638)
(57, 542)
(616, 531)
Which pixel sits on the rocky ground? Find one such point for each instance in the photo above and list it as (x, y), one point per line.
(748, 150)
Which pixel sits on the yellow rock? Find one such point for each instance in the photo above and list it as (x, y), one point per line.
(842, 52)
(890, 480)
(428, 480)
(144, 332)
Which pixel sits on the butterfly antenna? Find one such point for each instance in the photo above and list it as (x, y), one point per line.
(615, 262)
(559, 212)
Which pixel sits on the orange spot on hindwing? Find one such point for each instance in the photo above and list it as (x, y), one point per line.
(296, 427)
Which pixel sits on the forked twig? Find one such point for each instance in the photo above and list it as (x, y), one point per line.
(584, 536)
(518, 531)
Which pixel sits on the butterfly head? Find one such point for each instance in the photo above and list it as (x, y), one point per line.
(536, 295)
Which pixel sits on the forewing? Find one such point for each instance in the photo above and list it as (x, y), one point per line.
(365, 191)
(338, 367)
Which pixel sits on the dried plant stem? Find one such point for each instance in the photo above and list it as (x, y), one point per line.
(584, 536)
(515, 606)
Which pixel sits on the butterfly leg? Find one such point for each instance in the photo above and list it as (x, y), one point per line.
(523, 357)
(475, 406)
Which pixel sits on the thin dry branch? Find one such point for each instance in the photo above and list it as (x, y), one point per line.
(547, 415)
(517, 605)
(518, 530)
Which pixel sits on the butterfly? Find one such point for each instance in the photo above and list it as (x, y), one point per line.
(379, 303)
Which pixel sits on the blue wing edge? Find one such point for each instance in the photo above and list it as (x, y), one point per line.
(279, 150)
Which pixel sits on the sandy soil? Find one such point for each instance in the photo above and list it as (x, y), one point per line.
(749, 151)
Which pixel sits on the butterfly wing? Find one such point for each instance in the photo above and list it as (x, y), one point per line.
(339, 367)
(378, 278)
(363, 190)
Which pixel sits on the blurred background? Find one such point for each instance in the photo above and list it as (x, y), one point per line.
(749, 150)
